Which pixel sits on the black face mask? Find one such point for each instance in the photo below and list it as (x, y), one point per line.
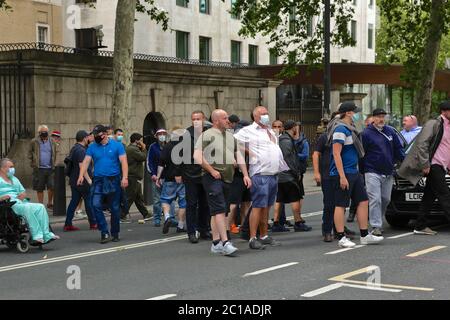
(98, 139)
(43, 134)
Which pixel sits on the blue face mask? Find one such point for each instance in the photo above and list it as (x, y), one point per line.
(265, 120)
(356, 117)
(119, 138)
(11, 172)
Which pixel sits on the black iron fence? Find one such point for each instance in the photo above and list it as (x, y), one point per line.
(101, 53)
(13, 106)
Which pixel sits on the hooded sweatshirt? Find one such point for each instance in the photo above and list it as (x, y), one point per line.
(382, 150)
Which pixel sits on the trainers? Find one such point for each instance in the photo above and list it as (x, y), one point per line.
(377, 232)
(425, 231)
(328, 237)
(71, 228)
(181, 230)
(346, 243)
(229, 249)
(270, 242)
(371, 239)
(288, 224)
(218, 248)
(147, 217)
(105, 238)
(234, 229)
(255, 244)
(125, 220)
(115, 239)
(166, 226)
(279, 228)
(193, 238)
(301, 227)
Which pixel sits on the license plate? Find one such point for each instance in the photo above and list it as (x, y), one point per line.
(413, 196)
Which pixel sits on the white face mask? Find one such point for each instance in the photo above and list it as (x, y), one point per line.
(162, 138)
(11, 172)
(265, 120)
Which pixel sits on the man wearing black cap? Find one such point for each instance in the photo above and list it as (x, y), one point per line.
(73, 163)
(382, 150)
(110, 175)
(348, 184)
(429, 157)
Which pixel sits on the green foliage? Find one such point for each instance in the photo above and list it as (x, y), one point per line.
(403, 33)
(154, 12)
(286, 24)
(4, 5)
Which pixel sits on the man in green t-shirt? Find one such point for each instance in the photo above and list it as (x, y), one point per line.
(216, 151)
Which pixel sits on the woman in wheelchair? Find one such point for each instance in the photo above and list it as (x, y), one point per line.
(35, 214)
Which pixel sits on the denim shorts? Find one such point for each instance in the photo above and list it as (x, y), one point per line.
(264, 191)
(171, 191)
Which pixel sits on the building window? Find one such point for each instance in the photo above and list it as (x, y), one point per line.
(233, 15)
(182, 3)
(273, 57)
(42, 35)
(235, 52)
(204, 6)
(370, 36)
(204, 49)
(353, 31)
(252, 55)
(182, 45)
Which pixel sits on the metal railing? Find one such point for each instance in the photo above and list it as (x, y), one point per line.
(101, 53)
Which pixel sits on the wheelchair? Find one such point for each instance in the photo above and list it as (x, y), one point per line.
(14, 232)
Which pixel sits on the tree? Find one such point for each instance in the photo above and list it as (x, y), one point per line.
(412, 33)
(4, 5)
(123, 56)
(294, 28)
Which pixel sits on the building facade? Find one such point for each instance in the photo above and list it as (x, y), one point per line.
(32, 21)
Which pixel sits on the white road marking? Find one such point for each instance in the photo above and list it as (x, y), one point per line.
(422, 252)
(401, 235)
(269, 269)
(90, 253)
(346, 249)
(319, 291)
(163, 297)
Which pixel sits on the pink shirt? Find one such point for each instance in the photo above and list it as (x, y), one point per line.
(442, 155)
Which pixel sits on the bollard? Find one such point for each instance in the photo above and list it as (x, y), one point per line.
(59, 192)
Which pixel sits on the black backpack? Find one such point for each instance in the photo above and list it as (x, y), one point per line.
(69, 163)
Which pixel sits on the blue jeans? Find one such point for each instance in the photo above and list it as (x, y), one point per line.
(157, 210)
(112, 201)
(328, 206)
(78, 193)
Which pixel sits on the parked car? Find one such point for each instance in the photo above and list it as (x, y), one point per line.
(406, 200)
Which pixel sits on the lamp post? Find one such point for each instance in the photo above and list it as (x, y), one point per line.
(326, 60)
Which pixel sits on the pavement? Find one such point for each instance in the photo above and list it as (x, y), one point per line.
(308, 183)
(146, 264)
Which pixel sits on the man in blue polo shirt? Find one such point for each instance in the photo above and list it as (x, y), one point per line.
(347, 149)
(110, 161)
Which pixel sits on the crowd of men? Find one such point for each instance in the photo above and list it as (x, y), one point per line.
(224, 175)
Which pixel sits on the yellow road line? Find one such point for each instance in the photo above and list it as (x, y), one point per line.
(422, 252)
(344, 278)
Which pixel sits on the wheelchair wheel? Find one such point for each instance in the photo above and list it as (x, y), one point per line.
(22, 245)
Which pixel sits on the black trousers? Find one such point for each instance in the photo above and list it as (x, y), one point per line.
(197, 210)
(436, 187)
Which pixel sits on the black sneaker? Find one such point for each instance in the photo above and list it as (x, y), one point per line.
(301, 227)
(166, 226)
(256, 245)
(105, 238)
(192, 238)
(206, 235)
(181, 230)
(115, 239)
(270, 242)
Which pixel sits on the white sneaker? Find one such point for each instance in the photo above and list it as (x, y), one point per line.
(371, 239)
(229, 249)
(346, 243)
(217, 248)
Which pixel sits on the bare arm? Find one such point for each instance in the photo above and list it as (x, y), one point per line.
(124, 164)
(200, 159)
(86, 174)
(243, 167)
(316, 158)
(337, 148)
(83, 169)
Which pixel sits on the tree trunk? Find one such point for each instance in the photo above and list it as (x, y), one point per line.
(427, 69)
(123, 64)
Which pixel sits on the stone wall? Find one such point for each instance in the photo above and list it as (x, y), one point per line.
(73, 92)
